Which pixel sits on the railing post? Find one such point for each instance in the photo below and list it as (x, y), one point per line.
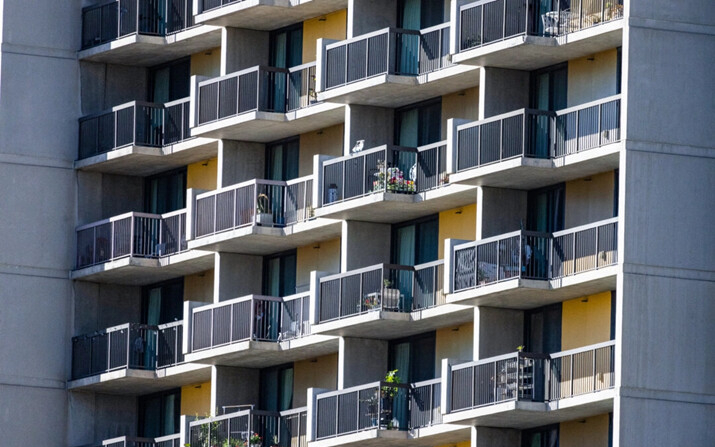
(253, 319)
(600, 106)
(572, 375)
(496, 379)
(132, 235)
(503, 27)
(595, 255)
(593, 375)
(129, 351)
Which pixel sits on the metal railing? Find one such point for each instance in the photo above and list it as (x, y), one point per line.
(426, 404)
(584, 248)
(252, 317)
(428, 287)
(434, 48)
(293, 425)
(378, 405)
(538, 134)
(515, 376)
(131, 234)
(135, 123)
(431, 166)
(301, 87)
(579, 15)
(207, 5)
(295, 316)
(581, 371)
(298, 200)
(109, 21)
(127, 441)
(168, 346)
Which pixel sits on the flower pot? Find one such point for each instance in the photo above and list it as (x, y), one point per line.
(264, 219)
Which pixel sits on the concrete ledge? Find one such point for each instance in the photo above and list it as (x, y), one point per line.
(374, 437)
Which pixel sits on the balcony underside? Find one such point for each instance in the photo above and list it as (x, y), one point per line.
(392, 207)
(531, 173)
(137, 382)
(144, 50)
(143, 161)
(390, 325)
(142, 271)
(427, 437)
(532, 52)
(396, 91)
(264, 127)
(524, 415)
(268, 14)
(529, 293)
(260, 240)
(262, 354)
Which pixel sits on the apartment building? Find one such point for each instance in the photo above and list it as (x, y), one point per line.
(322, 223)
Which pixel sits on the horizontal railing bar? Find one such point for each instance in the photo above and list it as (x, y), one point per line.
(488, 240)
(485, 361)
(435, 28)
(373, 150)
(173, 213)
(587, 105)
(293, 411)
(170, 325)
(126, 105)
(427, 382)
(299, 180)
(503, 116)
(427, 147)
(236, 300)
(168, 437)
(295, 296)
(301, 67)
(365, 270)
(585, 227)
(177, 102)
(429, 264)
(242, 72)
(604, 344)
(233, 415)
(254, 181)
(366, 386)
(98, 5)
(359, 38)
(116, 218)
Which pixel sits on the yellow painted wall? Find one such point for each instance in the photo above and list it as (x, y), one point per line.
(456, 225)
(589, 199)
(206, 63)
(589, 80)
(464, 105)
(459, 444)
(329, 26)
(196, 399)
(589, 432)
(202, 175)
(320, 256)
(455, 344)
(199, 287)
(321, 372)
(328, 141)
(586, 323)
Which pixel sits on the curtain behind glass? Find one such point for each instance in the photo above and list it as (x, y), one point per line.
(427, 242)
(286, 385)
(407, 133)
(271, 287)
(169, 422)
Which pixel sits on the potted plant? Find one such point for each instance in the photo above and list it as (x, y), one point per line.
(390, 296)
(264, 216)
(255, 440)
(388, 394)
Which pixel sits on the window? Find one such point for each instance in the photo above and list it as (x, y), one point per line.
(169, 82)
(165, 192)
(419, 124)
(413, 357)
(159, 414)
(415, 242)
(545, 209)
(282, 159)
(419, 14)
(542, 329)
(276, 388)
(549, 87)
(279, 274)
(541, 437)
(163, 303)
(286, 46)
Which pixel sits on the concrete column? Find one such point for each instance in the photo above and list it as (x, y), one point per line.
(365, 16)
(360, 361)
(233, 386)
(364, 244)
(495, 437)
(239, 161)
(497, 331)
(502, 90)
(499, 211)
(237, 275)
(235, 41)
(375, 125)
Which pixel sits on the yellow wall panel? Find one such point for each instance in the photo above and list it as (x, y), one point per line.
(321, 372)
(321, 256)
(199, 287)
(202, 175)
(464, 105)
(589, 432)
(592, 77)
(459, 444)
(329, 26)
(586, 321)
(328, 141)
(457, 223)
(196, 399)
(206, 63)
(589, 199)
(453, 342)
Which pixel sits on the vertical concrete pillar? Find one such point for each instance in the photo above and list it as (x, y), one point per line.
(233, 386)
(234, 42)
(364, 244)
(502, 90)
(374, 125)
(497, 331)
(365, 16)
(239, 161)
(361, 361)
(237, 275)
(495, 437)
(499, 211)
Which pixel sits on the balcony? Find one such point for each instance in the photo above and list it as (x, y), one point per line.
(517, 34)
(390, 184)
(524, 269)
(260, 217)
(288, 428)
(391, 68)
(386, 301)
(263, 104)
(126, 441)
(137, 249)
(142, 32)
(523, 390)
(141, 138)
(264, 15)
(528, 149)
(382, 413)
(132, 358)
(255, 331)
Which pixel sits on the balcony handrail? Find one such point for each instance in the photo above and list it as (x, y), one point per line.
(499, 358)
(435, 28)
(372, 150)
(365, 270)
(98, 5)
(240, 299)
(586, 105)
(428, 264)
(170, 324)
(426, 382)
(116, 218)
(119, 327)
(300, 67)
(389, 29)
(168, 438)
(242, 72)
(585, 227)
(173, 213)
(298, 180)
(427, 147)
(295, 296)
(176, 102)
(293, 411)
(122, 106)
(126, 439)
(255, 181)
(232, 415)
(604, 344)
(366, 386)
(499, 237)
(503, 116)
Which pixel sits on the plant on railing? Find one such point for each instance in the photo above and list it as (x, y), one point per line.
(208, 434)
(255, 440)
(392, 179)
(388, 394)
(233, 442)
(613, 11)
(264, 215)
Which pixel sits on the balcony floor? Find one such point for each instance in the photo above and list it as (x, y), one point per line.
(137, 382)
(531, 173)
(441, 434)
(268, 14)
(533, 52)
(387, 325)
(143, 161)
(524, 415)
(260, 240)
(262, 354)
(143, 50)
(264, 127)
(386, 207)
(396, 91)
(142, 271)
(529, 294)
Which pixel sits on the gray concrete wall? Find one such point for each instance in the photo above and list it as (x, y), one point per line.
(234, 45)
(106, 85)
(236, 276)
(94, 417)
(239, 161)
(495, 437)
(101, 196)
(375, 125)
(497, 331)
(365, 16)
(98, 306)
(502, 90)
(361, 361)
(233, 386)
(364, 244)
(499, 211)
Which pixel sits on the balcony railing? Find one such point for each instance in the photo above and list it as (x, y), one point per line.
(484, 22)
(428, 285)
(538, 134)
(235, 429)
(255, 202)
(301, 87)
(581, 371)
(126, 441)
(531, 255)
(131, 234)
(378, 405)
(295, 316)
(169, 340)
(426, 404)
(168, 441)
(207, 5)
(135, 123)
(434, 48)
(109, 21)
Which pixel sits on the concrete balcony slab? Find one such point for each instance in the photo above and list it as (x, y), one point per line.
(440, 434)
(533, 52)
(143, 161)
(146, 50)
(268, 14)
